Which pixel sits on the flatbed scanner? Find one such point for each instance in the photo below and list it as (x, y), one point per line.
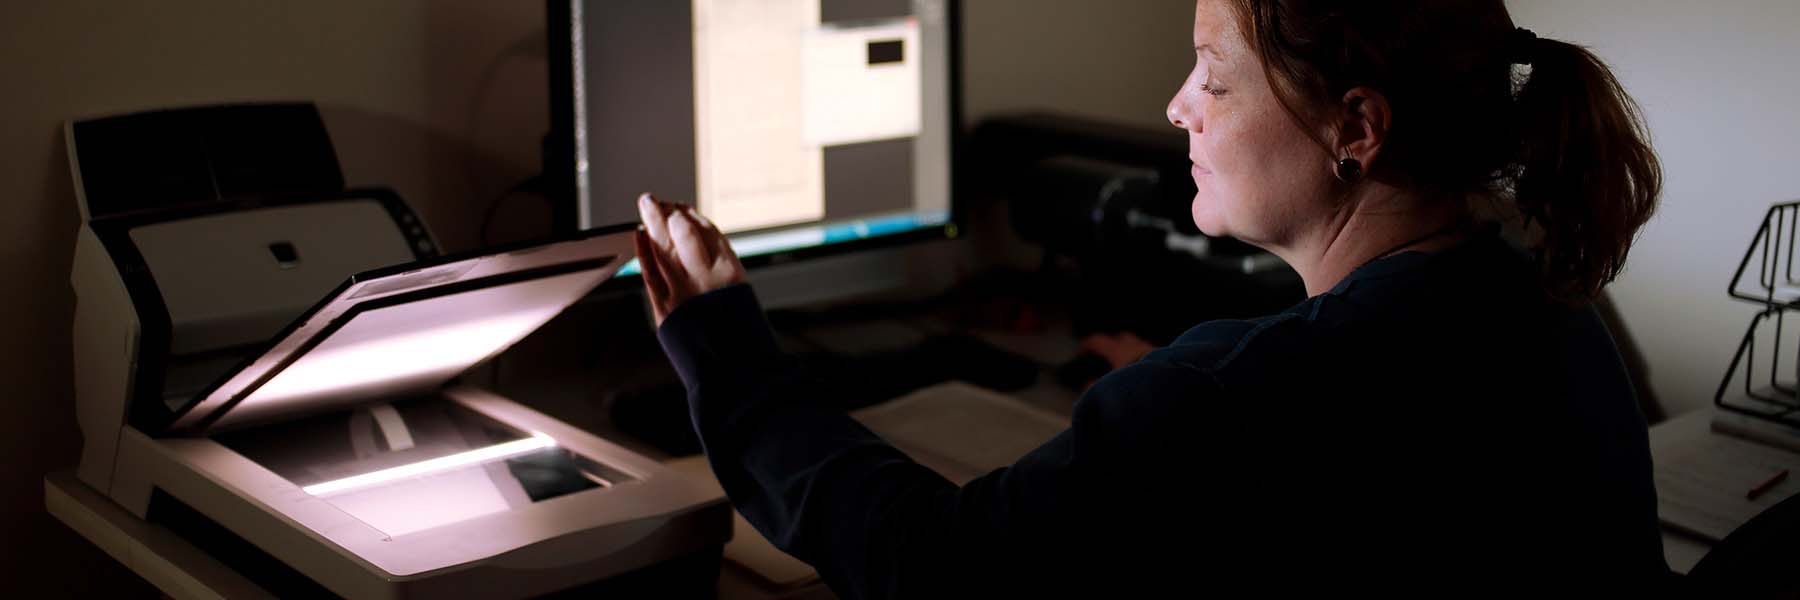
(267, 365)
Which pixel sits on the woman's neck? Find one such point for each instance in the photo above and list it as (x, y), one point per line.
(1379, 221)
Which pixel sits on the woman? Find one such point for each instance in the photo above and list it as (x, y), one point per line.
(1443, 414)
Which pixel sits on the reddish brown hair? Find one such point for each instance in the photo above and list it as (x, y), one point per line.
(1560, 141)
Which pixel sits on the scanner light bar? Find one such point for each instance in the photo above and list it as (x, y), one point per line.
(537, 441)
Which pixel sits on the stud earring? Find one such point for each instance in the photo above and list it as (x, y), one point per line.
(1349, 170)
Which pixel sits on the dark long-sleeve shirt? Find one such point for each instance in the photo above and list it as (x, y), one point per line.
(1433, 424)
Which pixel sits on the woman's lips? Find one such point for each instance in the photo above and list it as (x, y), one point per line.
(1199, 171)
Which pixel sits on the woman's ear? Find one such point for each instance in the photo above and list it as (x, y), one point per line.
(1363, 124)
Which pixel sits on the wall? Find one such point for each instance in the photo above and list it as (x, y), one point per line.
(1119, 61)
(1715, 82)
(443, 100)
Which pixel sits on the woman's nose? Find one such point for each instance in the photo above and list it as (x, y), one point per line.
(1178, 112)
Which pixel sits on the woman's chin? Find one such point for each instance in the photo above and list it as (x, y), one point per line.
(1206, 217)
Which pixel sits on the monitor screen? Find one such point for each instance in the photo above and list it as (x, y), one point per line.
(792, 124)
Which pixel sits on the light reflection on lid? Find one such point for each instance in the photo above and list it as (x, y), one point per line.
(537, 441)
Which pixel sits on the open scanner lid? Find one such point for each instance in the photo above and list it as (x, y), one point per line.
(406, 330)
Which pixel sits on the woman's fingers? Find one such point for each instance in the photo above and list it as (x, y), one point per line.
(692, 246)
(664, 276)
(654, 280)
(656, 220)
(721, 246)
(682, 254)
(722, 261)
(1118, 349)
(659, 221)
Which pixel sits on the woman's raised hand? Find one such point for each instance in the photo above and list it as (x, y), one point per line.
(682, 255)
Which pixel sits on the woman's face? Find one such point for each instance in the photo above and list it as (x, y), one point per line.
(1261, 178)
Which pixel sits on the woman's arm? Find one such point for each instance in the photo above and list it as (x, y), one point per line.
(873, 522)
(823, 488)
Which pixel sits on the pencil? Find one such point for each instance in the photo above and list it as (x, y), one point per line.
(1767, 485)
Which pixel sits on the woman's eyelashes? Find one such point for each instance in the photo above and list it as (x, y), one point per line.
(1211, 89)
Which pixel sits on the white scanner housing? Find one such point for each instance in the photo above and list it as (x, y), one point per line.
(258, 370)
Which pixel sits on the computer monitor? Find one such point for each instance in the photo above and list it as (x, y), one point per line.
(800, 127)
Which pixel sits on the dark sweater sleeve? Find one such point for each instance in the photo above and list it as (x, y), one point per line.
(830, 492)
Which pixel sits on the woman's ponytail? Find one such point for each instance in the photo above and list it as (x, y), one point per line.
(1586, 178)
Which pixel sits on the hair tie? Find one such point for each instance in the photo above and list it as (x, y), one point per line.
(1521, 44)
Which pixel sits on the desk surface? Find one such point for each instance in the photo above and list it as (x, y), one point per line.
(1701, 481)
